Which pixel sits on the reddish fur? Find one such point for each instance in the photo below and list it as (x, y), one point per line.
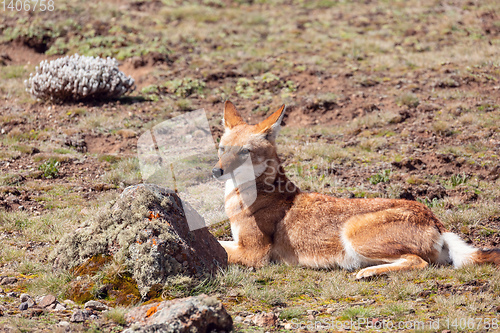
(307, 228)
(491, 256)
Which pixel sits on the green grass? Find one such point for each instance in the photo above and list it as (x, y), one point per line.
(361, 64)
(381, 177)
(50, 168)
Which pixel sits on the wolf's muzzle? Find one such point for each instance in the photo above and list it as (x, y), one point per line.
(217, 172)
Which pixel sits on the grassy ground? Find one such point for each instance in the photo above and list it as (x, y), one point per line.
(385, 99)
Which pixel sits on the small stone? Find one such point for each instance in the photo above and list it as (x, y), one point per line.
(35, 312)
(310, 317)
(69, 302)
(13, 294)
(23, 306)
(127, 133)
(93, 317)
(31, 302)
(265, 319)
(47, 300)
(330, 310)
(238, 319)
(96, 305)
(51, 306)
(64, 323)
(288, 326)
(78, 316)
(59, 307)
(8, 280)
(24, 297)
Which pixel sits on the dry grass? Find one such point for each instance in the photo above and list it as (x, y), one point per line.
(395, 55)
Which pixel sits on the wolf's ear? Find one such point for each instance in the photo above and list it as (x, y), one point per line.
(272, 124)
(231, 117)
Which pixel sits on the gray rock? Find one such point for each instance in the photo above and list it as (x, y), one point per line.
(59, 307)
(79, 316)
(192, 314)
(24, 297)
(31, 302)
(64, 323)
(23, 306)
(13, 294)
(7, 280)
(146, 228)
(96, 305)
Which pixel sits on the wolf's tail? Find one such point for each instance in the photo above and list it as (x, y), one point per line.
(460, 253)
(491, 256)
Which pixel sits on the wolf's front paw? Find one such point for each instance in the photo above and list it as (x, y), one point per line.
(366, 273)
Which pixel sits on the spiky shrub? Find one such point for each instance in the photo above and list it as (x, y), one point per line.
(74, 78)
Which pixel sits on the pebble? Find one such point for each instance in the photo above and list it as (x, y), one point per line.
(330, 310)
(47, 300)
(13, 294)
(265, 319)
(31, 302)
(96, 305)
(24, 297)
(64, 323)
(69, 302)
(23, 306)
(238, 319)
(78, 316)
(59, 307)
(8, 280)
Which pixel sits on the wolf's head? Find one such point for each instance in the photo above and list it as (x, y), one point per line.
(248, 151)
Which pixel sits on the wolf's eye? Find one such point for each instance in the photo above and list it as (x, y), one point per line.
(221, 149)
(244, 151)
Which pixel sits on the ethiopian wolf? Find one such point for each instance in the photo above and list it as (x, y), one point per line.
(284, 224)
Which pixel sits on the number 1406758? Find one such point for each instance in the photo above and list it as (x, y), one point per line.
(27, 5)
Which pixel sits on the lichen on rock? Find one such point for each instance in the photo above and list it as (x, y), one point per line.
(146, 230)
(191, 314)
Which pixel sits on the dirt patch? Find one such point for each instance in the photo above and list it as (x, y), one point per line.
(21, 54)
(110, 144)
